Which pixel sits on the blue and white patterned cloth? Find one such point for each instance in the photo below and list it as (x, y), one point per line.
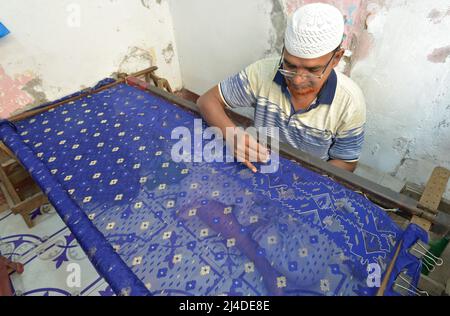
(153, 226)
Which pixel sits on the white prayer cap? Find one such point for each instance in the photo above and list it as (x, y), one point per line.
(314, 30)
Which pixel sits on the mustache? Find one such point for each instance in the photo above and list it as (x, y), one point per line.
(302, 86)
(304, 89)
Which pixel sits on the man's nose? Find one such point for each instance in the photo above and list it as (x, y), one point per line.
(298, 80)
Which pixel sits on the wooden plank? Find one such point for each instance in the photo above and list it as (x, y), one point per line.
(8, 163)
(27, 219)
(5, 150)
(4, 206)
(8, 198)
(30, 204)
(415, 191)
(11, 191)
(426, 225)
(17, 176)
(435, 189)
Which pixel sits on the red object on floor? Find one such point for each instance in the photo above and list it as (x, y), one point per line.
(7, 266)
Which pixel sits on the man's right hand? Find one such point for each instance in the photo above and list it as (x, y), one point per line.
(212, 108)
(246, 148)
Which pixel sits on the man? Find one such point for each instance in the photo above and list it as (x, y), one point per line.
(316, 109)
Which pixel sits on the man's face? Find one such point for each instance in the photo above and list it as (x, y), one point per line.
(301, 85)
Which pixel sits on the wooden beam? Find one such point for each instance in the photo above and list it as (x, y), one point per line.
(426, 225)
(30, 204)
(11, 191)
(435, 189)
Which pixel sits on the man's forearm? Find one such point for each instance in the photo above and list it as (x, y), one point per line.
(212, 110)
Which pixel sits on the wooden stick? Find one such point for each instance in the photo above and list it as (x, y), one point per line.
(389, 271)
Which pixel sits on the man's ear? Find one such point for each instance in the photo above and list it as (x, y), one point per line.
(338, 57)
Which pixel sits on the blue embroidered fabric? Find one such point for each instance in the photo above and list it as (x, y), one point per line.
(153, 226)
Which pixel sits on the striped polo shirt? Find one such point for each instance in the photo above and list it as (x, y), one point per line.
(331, 128)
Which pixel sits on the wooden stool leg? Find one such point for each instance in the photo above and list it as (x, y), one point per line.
(28, 220)
(26, 207)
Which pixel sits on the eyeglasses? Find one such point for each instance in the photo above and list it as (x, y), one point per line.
(305, 74)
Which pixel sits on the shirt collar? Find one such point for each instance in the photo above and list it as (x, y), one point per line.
(326, 94)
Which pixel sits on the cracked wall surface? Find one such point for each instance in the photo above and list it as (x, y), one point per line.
(58, 47)
(405, 75)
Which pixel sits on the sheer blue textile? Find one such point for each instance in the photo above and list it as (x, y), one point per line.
(153, 226)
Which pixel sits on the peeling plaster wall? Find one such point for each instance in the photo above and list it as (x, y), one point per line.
(406, 80)
(57, 47)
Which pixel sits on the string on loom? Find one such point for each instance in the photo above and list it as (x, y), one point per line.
(388, 210)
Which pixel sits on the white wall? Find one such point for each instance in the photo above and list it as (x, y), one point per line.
(48, 56)
(407, 87)
(218, 38)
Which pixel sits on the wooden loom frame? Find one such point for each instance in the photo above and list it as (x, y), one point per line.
(382, 196)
